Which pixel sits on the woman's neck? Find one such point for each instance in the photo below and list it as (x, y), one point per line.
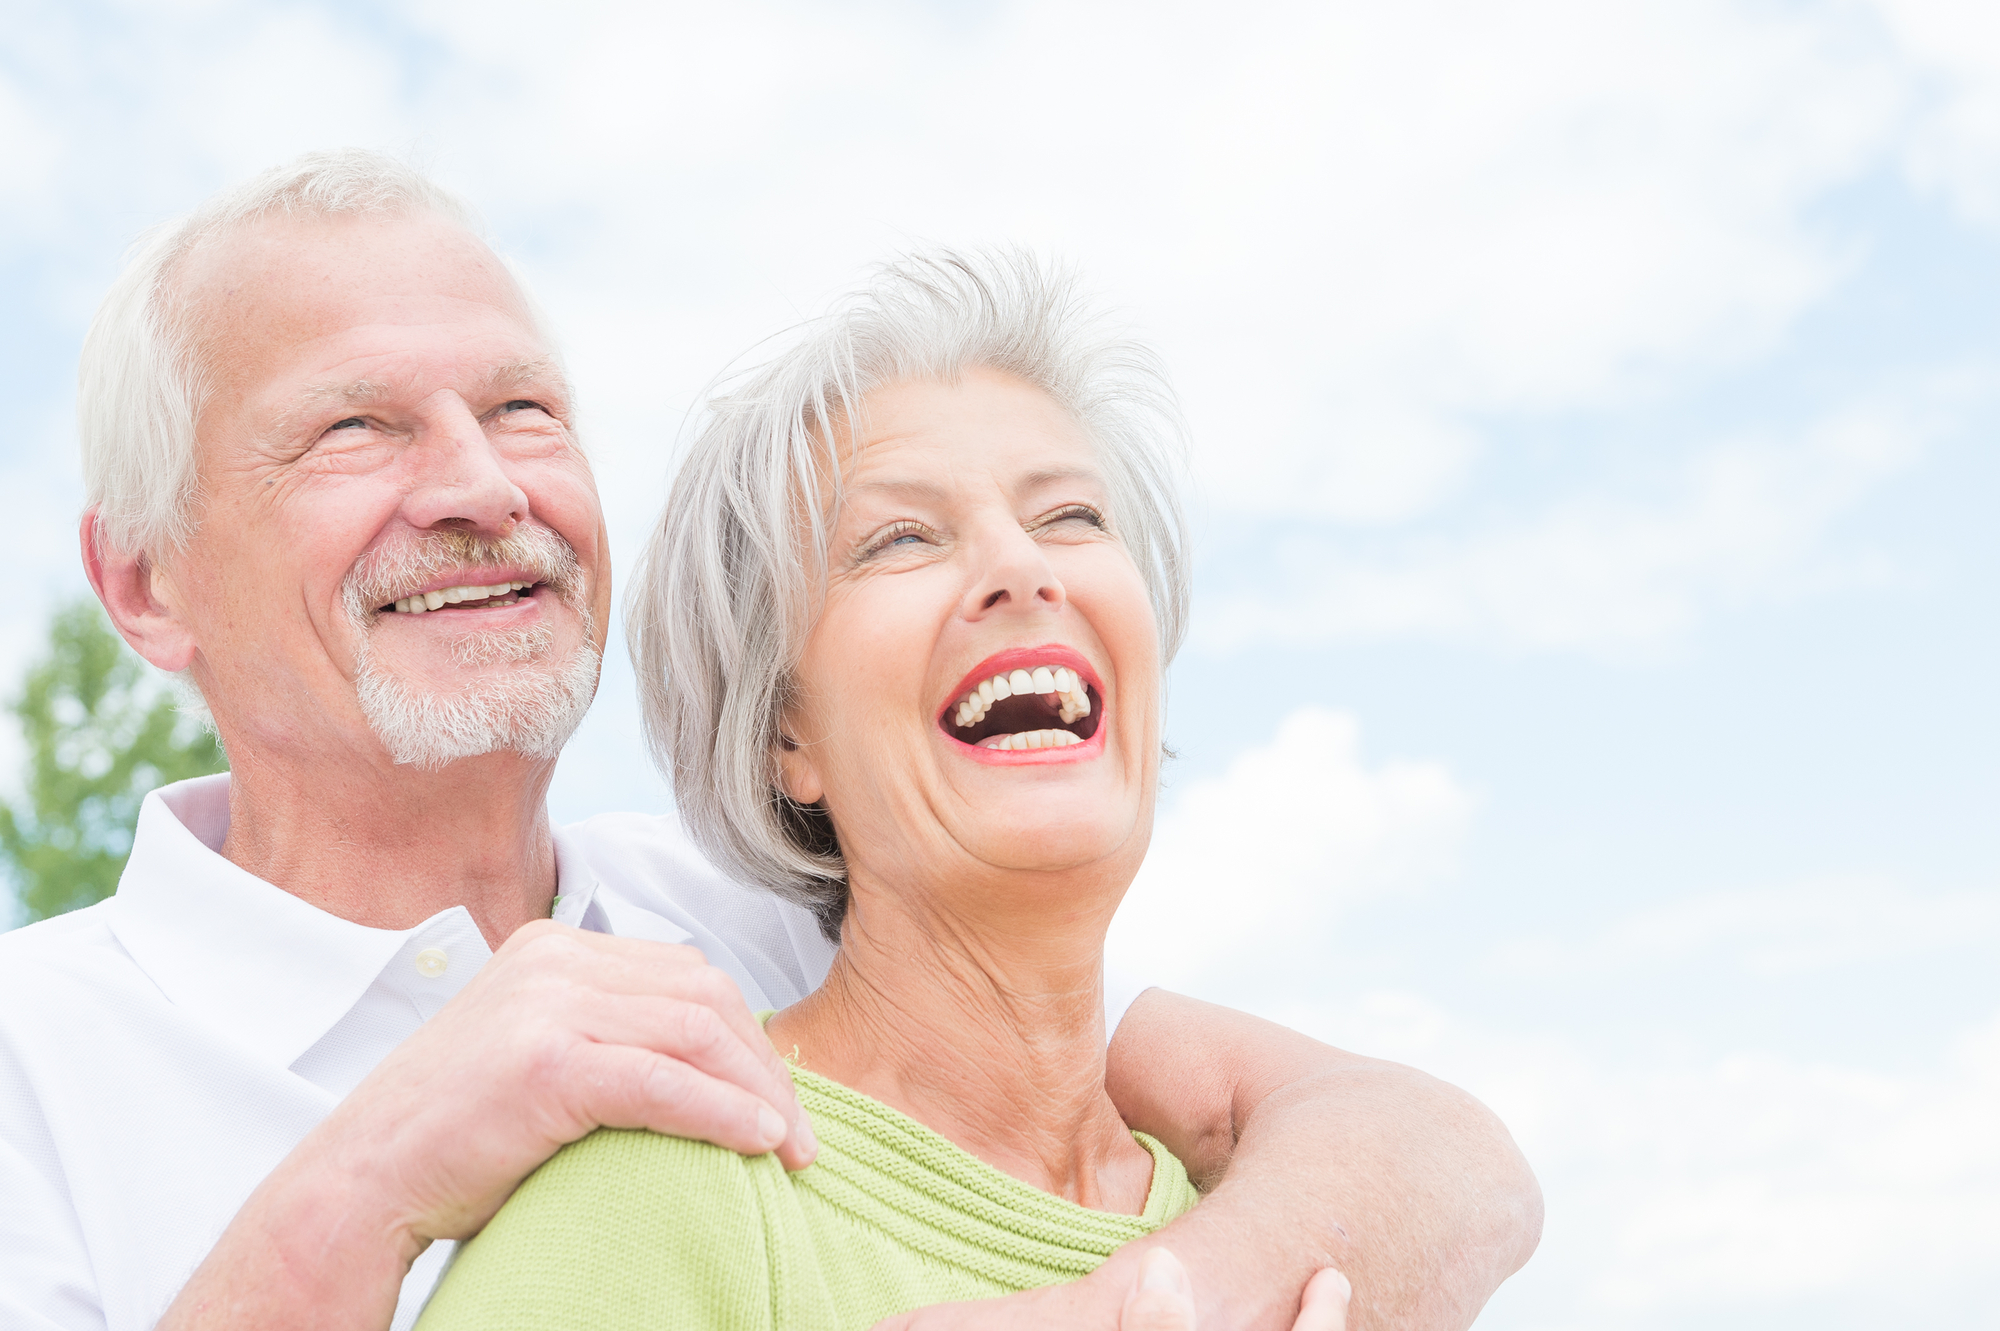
(994, 1041)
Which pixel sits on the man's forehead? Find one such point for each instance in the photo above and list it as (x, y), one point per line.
(287, 279)
(384, 305)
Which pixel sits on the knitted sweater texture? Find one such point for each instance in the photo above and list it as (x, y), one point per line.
(629, 1230)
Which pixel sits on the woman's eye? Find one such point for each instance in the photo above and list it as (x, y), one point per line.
(1083, 513)
(903, 534)
(351, 423)
(521, 404)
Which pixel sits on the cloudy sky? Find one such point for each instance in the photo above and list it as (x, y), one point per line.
(1592, 694)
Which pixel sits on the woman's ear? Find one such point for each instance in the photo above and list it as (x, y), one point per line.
(797, 776)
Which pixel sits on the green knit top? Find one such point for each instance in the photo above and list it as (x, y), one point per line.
(630, 1230)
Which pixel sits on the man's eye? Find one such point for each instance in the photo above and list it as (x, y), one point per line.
(351, 423)
(522, 404)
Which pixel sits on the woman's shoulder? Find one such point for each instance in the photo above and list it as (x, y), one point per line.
(625, 1228)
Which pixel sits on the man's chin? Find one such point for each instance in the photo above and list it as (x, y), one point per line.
(433, 719)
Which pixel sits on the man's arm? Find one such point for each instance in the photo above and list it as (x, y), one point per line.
(1317, 1158)
(1312, 1158)
(563, 1031)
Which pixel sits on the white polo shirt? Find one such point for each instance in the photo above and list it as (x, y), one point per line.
(162, 1051)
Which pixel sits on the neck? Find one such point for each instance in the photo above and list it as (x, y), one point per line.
(991, 1037)
(389, 847)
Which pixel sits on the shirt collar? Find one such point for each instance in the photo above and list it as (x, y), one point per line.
(248, 957)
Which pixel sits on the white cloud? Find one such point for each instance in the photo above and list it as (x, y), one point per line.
(1681, 1186)
(1776, 932)
(1275, 849)
(1362, 232)
(1952, 142)
(1746, 522)
(1358, 229)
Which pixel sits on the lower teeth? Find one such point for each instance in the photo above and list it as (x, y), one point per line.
(1032, 739)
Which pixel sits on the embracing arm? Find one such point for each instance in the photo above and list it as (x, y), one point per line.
(1317, 1157)
(1314, 1160)
(561, 1032)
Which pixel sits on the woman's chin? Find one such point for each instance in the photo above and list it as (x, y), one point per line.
(1031, 846)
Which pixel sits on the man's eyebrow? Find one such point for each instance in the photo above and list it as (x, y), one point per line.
(541, 370)
(355, 393)
(316, 397)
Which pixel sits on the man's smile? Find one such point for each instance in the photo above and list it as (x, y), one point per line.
(491, 597)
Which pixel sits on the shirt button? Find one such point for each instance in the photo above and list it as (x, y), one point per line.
(431, 962)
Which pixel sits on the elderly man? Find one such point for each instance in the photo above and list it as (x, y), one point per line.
(349, 995)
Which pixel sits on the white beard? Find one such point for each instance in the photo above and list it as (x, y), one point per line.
(532, 709)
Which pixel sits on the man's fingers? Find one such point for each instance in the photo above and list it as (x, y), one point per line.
(1161, 1299)
(624, 1087)
(664, 997)
(704, 1040)
(1324, 1306)
(692, 1033)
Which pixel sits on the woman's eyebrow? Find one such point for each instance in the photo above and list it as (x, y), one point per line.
(900, 489)
(1053, 475)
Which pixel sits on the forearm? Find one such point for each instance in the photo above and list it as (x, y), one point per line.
(316, 1245)
(1317, 1157)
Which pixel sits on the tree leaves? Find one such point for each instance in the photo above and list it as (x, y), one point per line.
(101, 731)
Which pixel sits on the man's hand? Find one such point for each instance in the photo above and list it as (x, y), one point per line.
(563, 1031)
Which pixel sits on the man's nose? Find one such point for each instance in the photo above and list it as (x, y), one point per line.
(462, 482)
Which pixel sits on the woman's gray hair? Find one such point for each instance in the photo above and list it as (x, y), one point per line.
(728, 586)
(141, 384)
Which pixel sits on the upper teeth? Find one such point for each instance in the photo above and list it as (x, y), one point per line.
(422, 601)
(972, 708)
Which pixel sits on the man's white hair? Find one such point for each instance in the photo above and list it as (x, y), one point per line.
(728, 586)
(141, 385)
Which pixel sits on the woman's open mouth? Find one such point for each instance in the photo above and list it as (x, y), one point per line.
(1037, 701)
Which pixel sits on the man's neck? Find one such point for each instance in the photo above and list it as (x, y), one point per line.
(389, 847)
(995, 1043)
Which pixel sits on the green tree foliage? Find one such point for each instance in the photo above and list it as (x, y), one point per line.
(101, 732)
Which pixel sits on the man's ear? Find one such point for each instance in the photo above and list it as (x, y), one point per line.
(126, 584)
(797, 776)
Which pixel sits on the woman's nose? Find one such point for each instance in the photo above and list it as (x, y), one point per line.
(461, 480)
(1015, 577)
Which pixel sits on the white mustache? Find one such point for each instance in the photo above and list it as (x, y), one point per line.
(381, 576)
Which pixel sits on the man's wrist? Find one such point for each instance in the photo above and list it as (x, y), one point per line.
(320, 1243)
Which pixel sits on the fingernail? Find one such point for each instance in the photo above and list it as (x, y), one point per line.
(771, 1128)
(806, 1137)
(1163, 1271)
(1340, 1282)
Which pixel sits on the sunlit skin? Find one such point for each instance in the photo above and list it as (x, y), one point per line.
(975, 520)
(373, 380)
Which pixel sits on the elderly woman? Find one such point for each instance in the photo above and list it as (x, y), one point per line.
(901, 632)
